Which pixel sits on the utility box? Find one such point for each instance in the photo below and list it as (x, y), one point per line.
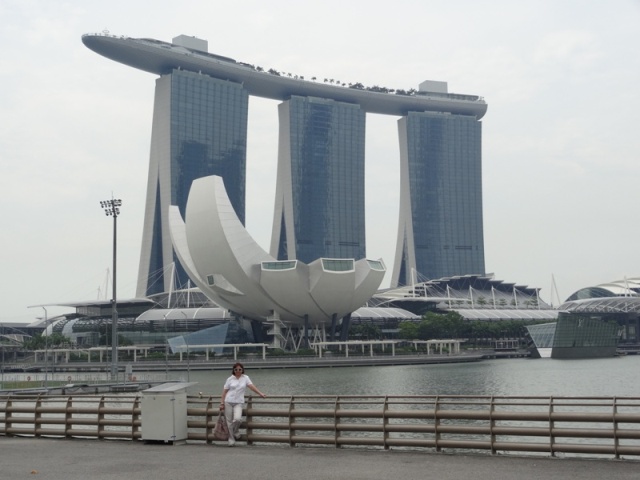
(164, 413)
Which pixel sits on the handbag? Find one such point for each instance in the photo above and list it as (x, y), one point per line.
(221, 430)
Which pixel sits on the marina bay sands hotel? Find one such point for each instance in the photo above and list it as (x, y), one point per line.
(200, 129)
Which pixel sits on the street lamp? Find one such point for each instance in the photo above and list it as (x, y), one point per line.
(112, 209)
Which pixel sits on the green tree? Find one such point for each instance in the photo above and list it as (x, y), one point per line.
(57, 340)
(408, 330)
(436, 325)
(367, 331)
(40, 342)
(37, 342)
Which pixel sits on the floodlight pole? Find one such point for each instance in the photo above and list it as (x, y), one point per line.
(46, 349)
(166, 347)
(186, 338)
(2, 367)
(112, 209)
(2, 364)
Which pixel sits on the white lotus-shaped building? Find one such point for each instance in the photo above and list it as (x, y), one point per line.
(224, 261)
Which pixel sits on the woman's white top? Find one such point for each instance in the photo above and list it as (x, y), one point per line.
(236, 388)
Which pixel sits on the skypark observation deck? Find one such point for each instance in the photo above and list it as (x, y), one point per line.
(161, 58)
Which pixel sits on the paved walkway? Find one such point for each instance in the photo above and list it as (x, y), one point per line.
(53, 459)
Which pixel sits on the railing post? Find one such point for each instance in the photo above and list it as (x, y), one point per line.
(135, 417)
(37, 415)
(291, 444)
(248, 416)
(336, 420)
(7, 417)
(68, 416)
(616, 440)
(208, 423)
(436, 423)
(492, 424)
(551, 426)
(385, 422)
(101, 425)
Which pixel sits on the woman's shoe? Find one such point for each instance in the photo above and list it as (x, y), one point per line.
(232, 441)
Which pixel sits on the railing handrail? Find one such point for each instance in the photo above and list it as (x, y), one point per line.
(596, 425)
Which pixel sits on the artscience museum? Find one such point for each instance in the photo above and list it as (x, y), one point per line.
(232, 270)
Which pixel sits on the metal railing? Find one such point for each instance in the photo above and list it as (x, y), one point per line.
(587, 426)
(70, 416)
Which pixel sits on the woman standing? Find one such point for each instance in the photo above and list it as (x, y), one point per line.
(232, 400)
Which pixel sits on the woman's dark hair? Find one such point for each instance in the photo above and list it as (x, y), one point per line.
(236, 365)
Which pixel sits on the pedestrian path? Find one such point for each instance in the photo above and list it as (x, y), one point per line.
(54, 459)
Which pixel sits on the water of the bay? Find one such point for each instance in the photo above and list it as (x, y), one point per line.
(518, 376)
(510, 377)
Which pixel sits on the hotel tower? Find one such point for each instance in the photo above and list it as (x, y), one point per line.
(200, 129)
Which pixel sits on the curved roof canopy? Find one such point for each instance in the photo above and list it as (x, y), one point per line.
(603, 305)
(627, 287)
(184, 314)
(465, 291)
(507, 314)
(384, 313)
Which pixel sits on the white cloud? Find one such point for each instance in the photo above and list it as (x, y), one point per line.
(572, 49)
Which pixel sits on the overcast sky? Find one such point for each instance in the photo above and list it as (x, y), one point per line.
(561, 170)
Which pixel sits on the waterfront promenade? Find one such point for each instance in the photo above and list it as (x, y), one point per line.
(54, 459)
(257, 363)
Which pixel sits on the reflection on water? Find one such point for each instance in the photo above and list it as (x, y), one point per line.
(597, 377)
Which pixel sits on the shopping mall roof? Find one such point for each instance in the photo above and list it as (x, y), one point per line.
(507, 314)
(604, 305)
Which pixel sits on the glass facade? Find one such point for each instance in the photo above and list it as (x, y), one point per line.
(234, 332)
(208, 136)
(337, 265)
(441, 229)
(542, 335)
(284, 265)
(325, 189)
(199, 129)
(585, 330)
(578, 335)
(375, 264)
(143, 326)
